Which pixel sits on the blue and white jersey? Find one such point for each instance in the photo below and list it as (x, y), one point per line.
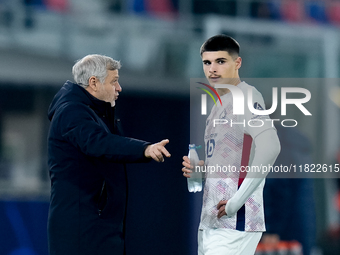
(228, 149)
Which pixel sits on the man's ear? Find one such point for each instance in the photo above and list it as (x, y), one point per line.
(238, 62)
(93, 83)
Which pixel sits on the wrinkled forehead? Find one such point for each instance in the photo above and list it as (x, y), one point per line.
(112, 72)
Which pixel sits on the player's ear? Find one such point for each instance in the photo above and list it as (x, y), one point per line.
(238, 62)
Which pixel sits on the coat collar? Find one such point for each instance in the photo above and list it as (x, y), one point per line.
(101, 107)
(72, 92)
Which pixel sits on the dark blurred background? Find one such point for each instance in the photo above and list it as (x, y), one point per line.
(157, 42)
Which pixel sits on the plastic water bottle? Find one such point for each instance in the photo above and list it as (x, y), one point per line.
(195, 180)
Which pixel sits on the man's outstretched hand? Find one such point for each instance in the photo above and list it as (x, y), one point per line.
(157, 151)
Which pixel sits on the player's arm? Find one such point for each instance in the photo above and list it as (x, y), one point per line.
(267, 148)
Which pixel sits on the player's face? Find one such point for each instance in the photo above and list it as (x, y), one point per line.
(221, 68)
(109, 90)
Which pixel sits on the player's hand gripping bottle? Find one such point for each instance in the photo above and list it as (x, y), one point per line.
(195, 180)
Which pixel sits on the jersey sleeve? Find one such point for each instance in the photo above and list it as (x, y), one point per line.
(255, 124)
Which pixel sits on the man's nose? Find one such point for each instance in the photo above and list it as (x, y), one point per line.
(118, 87)
(213, 68)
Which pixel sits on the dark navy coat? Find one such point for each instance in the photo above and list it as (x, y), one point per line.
(86, 160)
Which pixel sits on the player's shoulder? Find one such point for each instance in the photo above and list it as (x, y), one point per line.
(245, 88)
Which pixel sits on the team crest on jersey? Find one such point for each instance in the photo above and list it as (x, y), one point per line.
(257, 106)
(223, 114)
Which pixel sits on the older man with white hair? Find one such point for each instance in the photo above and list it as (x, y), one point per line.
(86, 158)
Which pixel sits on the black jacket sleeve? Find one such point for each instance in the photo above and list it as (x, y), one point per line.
(79, 125)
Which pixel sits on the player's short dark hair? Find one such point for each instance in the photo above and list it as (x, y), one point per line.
(221, 43)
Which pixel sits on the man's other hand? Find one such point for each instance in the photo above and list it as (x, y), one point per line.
(187, 169)
(221, 208)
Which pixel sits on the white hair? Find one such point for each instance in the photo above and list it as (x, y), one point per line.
(93, 65)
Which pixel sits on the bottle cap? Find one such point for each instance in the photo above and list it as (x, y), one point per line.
(193, 146)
